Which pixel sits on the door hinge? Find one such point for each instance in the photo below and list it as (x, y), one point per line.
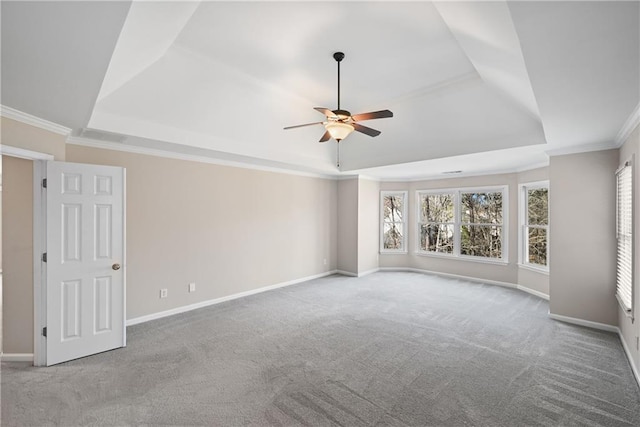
(44, 183)
(44, 332)
(44, 257)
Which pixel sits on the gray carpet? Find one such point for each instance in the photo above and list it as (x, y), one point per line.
(387, 349)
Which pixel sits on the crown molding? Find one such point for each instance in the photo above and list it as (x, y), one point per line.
(20, 116)
(632, 122)
(583, 148)
(87, 142)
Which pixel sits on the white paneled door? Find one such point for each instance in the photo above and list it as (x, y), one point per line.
(85, 292)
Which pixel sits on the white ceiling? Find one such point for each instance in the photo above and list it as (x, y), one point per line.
(480, 87)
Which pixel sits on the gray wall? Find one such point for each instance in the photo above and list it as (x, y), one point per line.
(347, 237)
(583, 238)
(368, 225)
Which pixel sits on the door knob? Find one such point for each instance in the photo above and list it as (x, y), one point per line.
(116, 266)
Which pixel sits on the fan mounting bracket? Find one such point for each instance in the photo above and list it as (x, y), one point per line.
(338, 56)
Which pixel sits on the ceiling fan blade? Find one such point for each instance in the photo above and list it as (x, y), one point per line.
(325, 111)
(372, 115)
(325, 137)
(365, 130)
(306, 124)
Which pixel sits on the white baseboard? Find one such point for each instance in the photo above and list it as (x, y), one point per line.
(17, 357)
(602, 327)
(185, 308)
(365, 273)
(470, 279)
(347, 273)
(634, 369)
(533, 292)
(451, 276)
(587, 323)
(350, 274)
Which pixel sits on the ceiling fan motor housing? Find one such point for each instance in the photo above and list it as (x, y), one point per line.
(342, 114)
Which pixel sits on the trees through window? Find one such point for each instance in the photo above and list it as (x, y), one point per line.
(437, 222)
(393, 221)
(462, 222)
(481, 224)
(534, 227)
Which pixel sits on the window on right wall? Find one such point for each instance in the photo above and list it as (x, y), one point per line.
(534, 225)
(624, 235)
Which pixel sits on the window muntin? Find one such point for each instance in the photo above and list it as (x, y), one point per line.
(437, 222)
(393, 232)
(534, 236)
(462, 222)
(624, 234)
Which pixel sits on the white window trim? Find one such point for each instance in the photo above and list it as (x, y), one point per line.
(522, 225)
(458, 223)
(456, 239)
(405, 229)
(628, 311)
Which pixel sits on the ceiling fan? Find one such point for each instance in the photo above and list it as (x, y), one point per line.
(340, 123)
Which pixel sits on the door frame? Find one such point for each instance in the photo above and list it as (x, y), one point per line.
(39, 243)
(40, 160)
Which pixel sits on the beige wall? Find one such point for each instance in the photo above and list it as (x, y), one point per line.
(368, 225)
(17, 229)
(631, 330)
(17, 241)
(227, 229)
(21, 135)
(348, 225)
(583, 243)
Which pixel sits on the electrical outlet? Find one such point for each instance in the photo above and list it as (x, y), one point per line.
(164, 293)
(325, 261)
(192, 287)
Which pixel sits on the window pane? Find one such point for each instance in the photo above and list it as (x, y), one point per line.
(393, 208)
(393, 236)
(538, 246)
(538, 206)
(437, 207)
(436, 238)
(481, 240)
(482, 208)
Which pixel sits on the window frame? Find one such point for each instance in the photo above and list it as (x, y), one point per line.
(457, 215)
(404, 222)
(628, 311)
(419, 221)
(523, 225)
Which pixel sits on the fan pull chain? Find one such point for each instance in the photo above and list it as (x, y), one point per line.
(338, 162)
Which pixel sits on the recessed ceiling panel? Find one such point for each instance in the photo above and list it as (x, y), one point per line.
(583, 59)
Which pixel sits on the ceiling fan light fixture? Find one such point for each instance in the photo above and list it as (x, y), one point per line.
(339, 130)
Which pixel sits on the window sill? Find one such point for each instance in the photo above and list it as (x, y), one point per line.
(627, 311)
(462, 258)
(393, 252)
(534, 268)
